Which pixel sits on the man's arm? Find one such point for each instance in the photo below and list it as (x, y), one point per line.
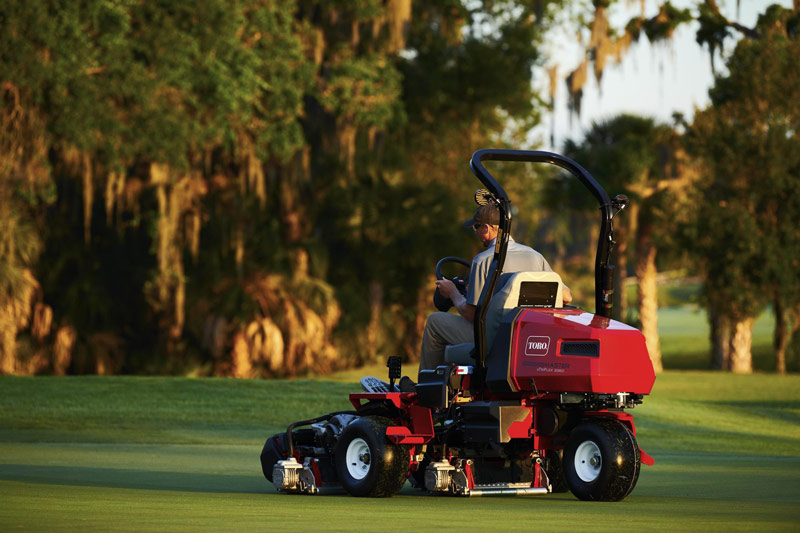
(464, 309)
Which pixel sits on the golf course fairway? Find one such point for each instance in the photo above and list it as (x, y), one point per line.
(157, 453)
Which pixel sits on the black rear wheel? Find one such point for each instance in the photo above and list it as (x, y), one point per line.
(367, 463)
(601, 460)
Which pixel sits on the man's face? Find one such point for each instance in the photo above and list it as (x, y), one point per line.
(485, 233)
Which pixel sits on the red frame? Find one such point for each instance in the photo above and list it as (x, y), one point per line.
(623, 365)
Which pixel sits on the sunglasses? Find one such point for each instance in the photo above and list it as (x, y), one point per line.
(476, 227)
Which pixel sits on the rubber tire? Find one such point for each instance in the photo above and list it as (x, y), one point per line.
(417, 478)
(555, 471)
(274, 450)
(620, 458)
(388, 462)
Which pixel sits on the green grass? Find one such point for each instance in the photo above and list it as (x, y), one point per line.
(674, 291)
(158, 410)
(122, 453)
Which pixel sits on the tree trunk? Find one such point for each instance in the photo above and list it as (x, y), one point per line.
(741, 340)
(8, 348)
(787, 322)
(88, 198)
(619, 311)
(780, 338)
(591, 243)
(374, 329)
(648, 292)
(720, 335)
(416, 325)
(622, 235)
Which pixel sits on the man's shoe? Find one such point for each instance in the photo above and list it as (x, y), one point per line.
(406, 385)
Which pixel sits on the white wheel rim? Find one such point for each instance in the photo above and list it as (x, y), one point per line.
(358, 458)
(588, 461)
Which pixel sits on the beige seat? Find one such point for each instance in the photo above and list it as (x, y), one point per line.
(505, 300)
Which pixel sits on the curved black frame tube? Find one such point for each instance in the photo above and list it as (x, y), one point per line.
(604, 287)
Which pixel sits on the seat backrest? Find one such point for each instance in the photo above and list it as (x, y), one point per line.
(507, 296)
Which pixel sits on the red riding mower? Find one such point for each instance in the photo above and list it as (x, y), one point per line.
(539, 403)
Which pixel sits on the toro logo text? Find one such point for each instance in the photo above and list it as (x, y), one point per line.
(537, 346)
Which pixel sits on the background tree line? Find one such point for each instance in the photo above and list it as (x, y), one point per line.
(262, 188)
(720, 195)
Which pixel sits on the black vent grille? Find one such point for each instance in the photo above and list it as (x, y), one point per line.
(588, 348)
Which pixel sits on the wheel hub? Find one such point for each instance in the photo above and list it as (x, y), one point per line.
(588, 461)
(358, 458)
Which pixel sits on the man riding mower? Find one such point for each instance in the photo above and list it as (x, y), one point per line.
(538, 402)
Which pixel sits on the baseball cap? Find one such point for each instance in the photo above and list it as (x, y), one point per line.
(485, 214)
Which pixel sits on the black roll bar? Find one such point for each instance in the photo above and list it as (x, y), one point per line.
(603, 272)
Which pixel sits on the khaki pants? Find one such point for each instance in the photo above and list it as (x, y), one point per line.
(442, 329)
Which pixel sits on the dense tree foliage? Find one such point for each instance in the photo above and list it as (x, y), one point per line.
(742, 237)
(605, 44)
(745, 235)
(256, 188)
(204, 186)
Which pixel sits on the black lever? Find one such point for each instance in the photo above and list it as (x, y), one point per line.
(395, 366)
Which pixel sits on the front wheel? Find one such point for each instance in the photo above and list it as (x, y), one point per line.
(601, 461)
(275, 449)
(367, 463)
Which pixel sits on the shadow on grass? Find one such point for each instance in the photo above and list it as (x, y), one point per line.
(780, 410)
(686, 360)
(135, 479)
(674, 357)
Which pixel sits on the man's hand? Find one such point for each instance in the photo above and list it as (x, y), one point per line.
(447, 288)
(566, 294)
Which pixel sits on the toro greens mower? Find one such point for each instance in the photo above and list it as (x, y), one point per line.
(538, 403)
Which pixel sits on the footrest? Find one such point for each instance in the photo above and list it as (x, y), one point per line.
(373, 384)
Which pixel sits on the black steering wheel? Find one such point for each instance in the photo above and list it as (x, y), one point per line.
(444, 304)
